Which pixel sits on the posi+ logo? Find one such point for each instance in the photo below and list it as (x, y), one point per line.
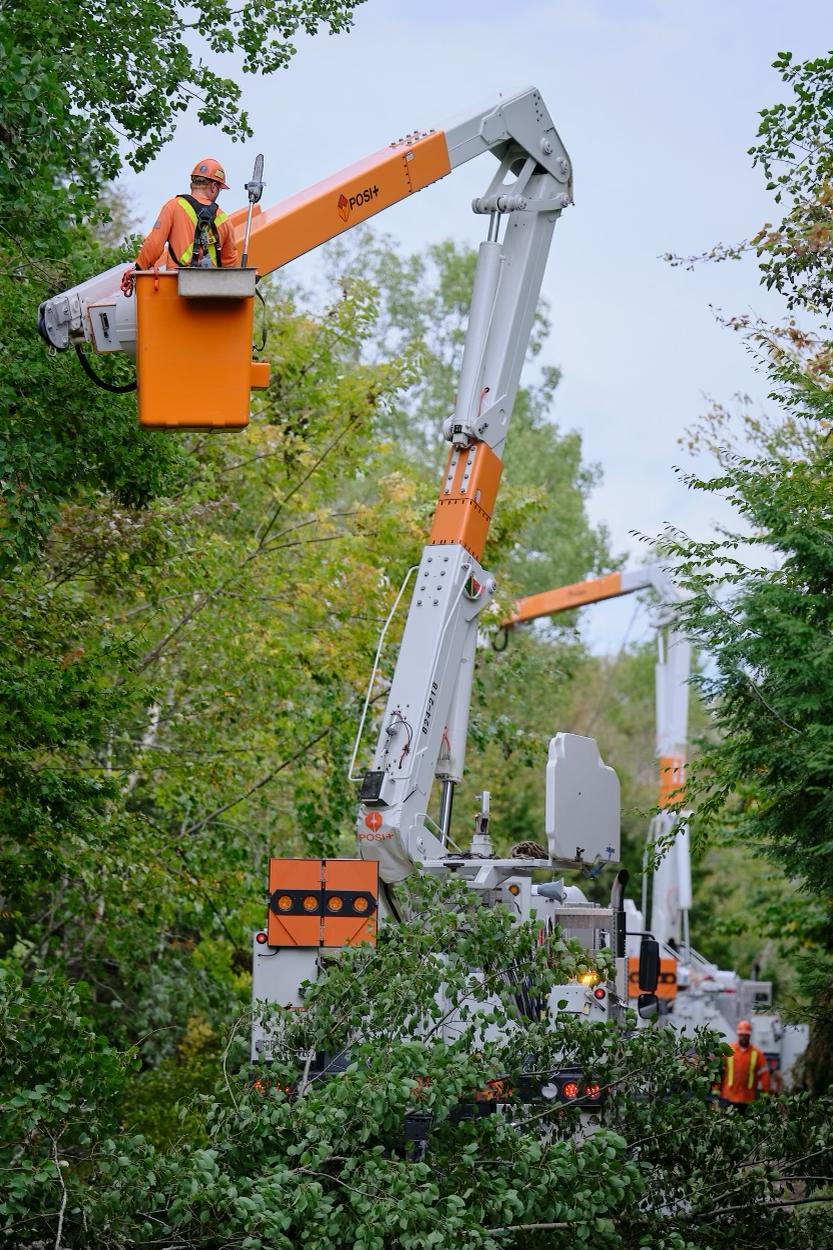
(345, 204)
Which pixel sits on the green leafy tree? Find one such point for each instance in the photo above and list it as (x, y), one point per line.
(61, 438)
(761, 588)
(766, 626)
(59, 1101)
(437, 1126)
(794, 152)
(86, 89)
(179, 686)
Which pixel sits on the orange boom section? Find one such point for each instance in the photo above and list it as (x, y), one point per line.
(671, 780)
(566, 597)
(464, 508)
(345, 199)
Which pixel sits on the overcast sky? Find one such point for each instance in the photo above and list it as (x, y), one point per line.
(657, 102)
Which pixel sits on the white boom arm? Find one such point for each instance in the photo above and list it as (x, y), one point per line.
(671, 897)
(309, 218)
(423, 729)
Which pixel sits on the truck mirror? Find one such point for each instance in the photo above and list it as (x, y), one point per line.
(647, 1006)
(648, 964)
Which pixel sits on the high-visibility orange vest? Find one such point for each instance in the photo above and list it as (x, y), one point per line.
(745, 1074)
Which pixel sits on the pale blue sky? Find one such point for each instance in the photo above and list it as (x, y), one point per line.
(656, 102)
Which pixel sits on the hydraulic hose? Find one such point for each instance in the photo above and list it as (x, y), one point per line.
(105, 386)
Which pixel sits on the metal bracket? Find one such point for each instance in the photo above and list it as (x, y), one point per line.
(61, 318)
(507, 192)
(521, 120)
(461, 433)
(216, 283)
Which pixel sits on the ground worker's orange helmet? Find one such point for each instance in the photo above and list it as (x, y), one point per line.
(744, 1027)
(209, 168)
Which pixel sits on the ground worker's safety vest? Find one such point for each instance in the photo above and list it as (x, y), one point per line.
(756, 1068)
(206, 235)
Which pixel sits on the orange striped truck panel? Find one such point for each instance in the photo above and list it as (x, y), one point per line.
(666, 985)
(322, 902)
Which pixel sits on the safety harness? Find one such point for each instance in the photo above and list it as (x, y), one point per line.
(204, 249)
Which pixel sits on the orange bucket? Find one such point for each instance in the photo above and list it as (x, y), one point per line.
(194, 369)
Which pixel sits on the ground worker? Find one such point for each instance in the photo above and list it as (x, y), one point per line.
(196, 231)
(745, 1071)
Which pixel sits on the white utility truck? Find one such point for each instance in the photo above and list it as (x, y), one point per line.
(693, 992)
(318, 905)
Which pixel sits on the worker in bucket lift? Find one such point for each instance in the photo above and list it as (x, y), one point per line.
(745, 1071)
(197, 233)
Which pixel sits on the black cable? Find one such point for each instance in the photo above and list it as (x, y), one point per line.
(105, 386)
(264, 326)
(389, 899)
(505, 635)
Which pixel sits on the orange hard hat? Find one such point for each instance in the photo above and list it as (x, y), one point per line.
(209, 168)
(744, 1026)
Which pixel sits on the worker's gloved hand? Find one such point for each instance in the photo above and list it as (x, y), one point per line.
(127, 280)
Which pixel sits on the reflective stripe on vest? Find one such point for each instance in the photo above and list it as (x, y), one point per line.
(753, 1067)
(190, 213)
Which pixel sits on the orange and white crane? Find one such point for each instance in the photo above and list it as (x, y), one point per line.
(671, 881)
(694, 992)
(183, 317)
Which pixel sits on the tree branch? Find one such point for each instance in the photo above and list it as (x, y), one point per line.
(528, 1228)
(258, 785)
(754, 1206)
(304, 479)
(63, 1205)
